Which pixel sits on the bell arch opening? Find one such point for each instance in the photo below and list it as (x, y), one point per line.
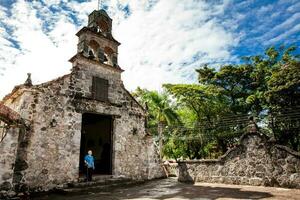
(93, 46)
(103, 26)
(109, 54)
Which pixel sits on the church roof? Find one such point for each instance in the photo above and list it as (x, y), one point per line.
(89, 30)
(100, 12)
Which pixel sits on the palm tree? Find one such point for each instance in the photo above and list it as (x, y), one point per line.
(160, 108)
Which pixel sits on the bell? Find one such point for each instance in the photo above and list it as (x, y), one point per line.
(101, 56)
(115, 61)
(91, 55)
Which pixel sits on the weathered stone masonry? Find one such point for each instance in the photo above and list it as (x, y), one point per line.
(255, 161)
(8, 158)
(12, 129)
(49, 150)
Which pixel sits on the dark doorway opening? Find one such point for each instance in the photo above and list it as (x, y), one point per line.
(96, 135)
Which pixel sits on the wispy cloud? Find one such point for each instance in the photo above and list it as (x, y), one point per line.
(287, 33)
(162, 41)
(264, 23)
(165, 40)
(285, 27)
(42, 52)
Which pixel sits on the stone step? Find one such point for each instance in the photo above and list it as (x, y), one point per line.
(96, 187)
(98, 182)
(97, 178)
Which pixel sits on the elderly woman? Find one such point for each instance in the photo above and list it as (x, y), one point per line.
(90, 166)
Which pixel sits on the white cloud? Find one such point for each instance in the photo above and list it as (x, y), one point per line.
(170, 33)
(294, 8)
(286, 34)
(281, 31)
(160, 40)
(46, 57)
(287, 23)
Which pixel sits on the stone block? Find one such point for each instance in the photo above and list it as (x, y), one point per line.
(260, 168)
(6, 186)
(290, 168)
(7, 176)
(256, 181)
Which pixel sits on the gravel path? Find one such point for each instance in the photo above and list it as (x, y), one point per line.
(172, 190)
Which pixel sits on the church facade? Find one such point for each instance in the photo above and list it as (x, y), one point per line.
(88, 109)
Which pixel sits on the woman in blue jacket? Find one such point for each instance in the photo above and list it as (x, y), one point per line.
(90, 165)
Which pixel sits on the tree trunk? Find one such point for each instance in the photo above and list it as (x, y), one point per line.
(160, 130)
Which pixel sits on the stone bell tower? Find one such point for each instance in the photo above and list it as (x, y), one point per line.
(96, 41)
(95, 64)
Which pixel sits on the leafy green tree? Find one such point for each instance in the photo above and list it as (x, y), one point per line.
(160, 109)
(205, 119)
(266, 86)
(208, 107)
(234, 82)
(205, 101)
(284, 104)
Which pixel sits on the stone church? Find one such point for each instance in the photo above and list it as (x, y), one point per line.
(50, 127)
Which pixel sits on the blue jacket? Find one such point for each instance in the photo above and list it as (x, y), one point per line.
(89, 160)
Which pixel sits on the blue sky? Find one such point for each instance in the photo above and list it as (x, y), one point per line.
(162, 41)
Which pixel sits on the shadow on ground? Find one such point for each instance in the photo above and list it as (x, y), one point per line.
(189, 191)
(166, 189)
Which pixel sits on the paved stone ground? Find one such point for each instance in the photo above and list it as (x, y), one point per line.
(172, 190)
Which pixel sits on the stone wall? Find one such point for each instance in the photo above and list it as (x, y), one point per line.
(255, 161)
(52, 146)
(154, 167)
(8, 152)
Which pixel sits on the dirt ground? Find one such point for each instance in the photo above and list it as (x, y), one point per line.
(170, 189)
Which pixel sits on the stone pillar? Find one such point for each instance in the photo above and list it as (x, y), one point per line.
(160, 130)
(28, 81)
(252, 126)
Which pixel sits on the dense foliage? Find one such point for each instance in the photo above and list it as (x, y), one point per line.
(205, 119)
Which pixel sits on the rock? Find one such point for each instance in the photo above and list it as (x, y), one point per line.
(255, 181)
(3, 194)
(21, 194)
(5, 186)
(295, 178)
(260, 168)
(6, 176)
(290, 168)
(11, 194)
(21, 165)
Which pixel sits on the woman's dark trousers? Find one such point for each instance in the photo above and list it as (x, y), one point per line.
(89, 174)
